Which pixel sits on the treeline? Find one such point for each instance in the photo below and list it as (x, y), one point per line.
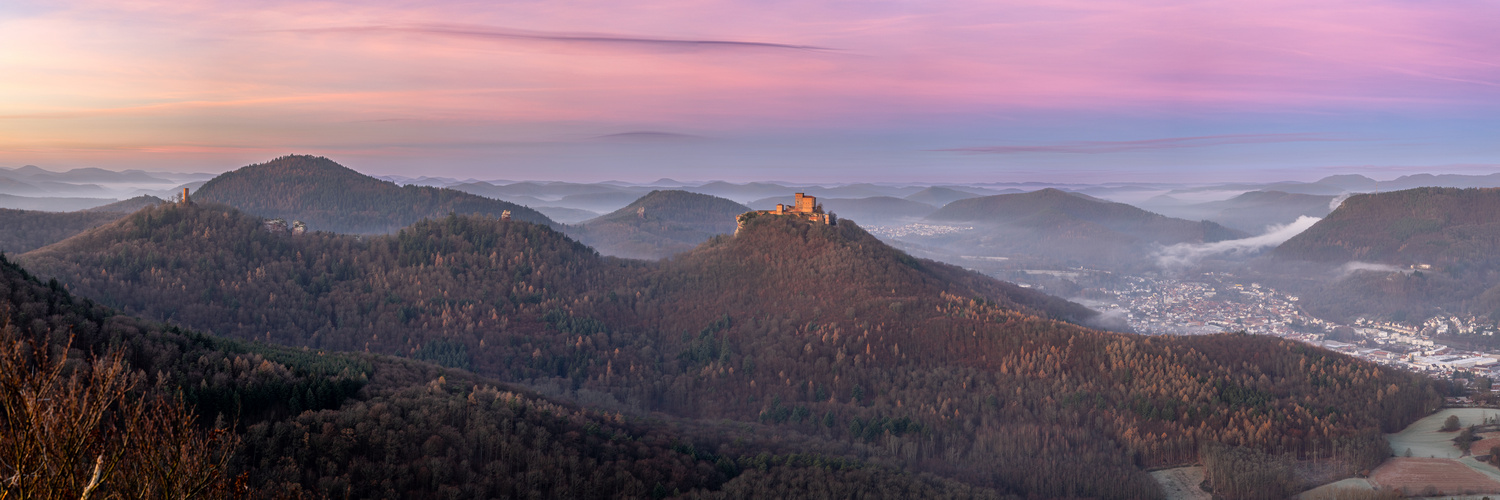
(811, 330)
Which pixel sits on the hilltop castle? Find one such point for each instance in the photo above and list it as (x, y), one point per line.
(805, 208)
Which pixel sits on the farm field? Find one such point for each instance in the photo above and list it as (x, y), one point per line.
(1427, 476)
(1424, 440)
(1334, 490)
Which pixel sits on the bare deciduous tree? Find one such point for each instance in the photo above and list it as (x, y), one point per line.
(79, 428)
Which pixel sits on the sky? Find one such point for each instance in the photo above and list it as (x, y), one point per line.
(799, 91)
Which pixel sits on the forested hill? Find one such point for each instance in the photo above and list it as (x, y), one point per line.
(1401, 255)
(816, 270)
(1438, 226)
(26, 230)
(331, 197)
(660, 224)
(345, 425)
(1045, 208)
(820, 332)
(1058, 227)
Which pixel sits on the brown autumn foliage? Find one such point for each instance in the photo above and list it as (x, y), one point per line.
(402, 429)
(81, 428)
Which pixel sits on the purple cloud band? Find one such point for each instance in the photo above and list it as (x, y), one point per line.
(490, 32)
(1096, 147)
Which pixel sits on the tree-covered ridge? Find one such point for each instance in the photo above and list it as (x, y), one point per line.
(1437, 226)
(812, 330)
(22, 231)
(128, 205)
(660, 224)
(331, 197)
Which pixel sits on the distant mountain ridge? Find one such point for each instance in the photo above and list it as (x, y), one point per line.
(1415, 226)
(938, 196)
(1254, 211)
(332, 197)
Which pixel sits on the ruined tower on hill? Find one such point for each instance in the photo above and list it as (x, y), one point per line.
(805, 207)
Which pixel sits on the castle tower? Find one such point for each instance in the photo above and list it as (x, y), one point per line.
(805, 203)
(184, 196)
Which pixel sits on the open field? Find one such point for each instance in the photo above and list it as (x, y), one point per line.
(1425, 440)
(1181, 483)
(1432, 475)
(1482, 447)
(1332, 490)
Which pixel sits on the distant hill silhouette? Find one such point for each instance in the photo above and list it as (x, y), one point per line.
(566, 215)
(1065, 227)
(331, 197)
(1252, 212)
(539, 189)
(130, 205)
(51, 204)
(660, 224)
(938, 196)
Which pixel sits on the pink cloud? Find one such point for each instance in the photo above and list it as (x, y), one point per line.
(291, 71)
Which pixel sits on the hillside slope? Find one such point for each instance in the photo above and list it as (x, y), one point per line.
(331, 197)
(1438, 226)
(26, 230)
(1401, 255)
(660, 224)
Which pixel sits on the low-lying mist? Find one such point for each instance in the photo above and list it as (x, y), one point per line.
(1187, 254)
(1355, 266)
